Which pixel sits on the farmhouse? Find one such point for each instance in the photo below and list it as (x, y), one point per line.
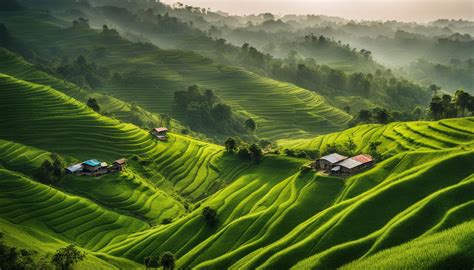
(327, 162)
(353, 164)
(118, 165)
(160, 133)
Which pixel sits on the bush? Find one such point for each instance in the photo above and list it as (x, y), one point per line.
(210, 215)
(168, 260)
(66, 257)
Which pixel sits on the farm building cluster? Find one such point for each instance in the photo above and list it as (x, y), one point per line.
(338, 164)
(94, 167)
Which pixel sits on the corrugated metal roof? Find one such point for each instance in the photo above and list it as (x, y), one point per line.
(74, 168)
(92, 162)
(349, 163)
(363, 158)
(333, 158)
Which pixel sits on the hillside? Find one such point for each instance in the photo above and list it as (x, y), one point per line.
(229, 196)
(156, 74)
(271, 215)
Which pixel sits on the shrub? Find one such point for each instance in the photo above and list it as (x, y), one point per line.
(210, 215)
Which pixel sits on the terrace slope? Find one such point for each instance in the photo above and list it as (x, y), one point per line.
(271, 215)
(275, 105)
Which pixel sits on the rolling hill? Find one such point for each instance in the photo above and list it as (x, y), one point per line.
(413, 209)
(156, 74)
(270, 215)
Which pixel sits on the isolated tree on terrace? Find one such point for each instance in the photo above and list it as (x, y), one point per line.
(251, 125)
(230, 145)
(168, 260)
(93, 104)
(210, 215)
(66, 257)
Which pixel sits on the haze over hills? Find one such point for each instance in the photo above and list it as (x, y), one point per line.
(250, 103)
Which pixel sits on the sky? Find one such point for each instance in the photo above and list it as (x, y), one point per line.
(403, 10)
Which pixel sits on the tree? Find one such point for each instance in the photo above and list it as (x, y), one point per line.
(13, 258)
(350, 147)
(230, 145)
(168, 260)
(381, 115)
(364, 116)
(66, 257)
(436, 107)
(93, 104)
(148, 262)
(244, 153)
(373, 150)
(347, 109)
(251, 125)
(255, 153)
(462, 101)
(210, 215)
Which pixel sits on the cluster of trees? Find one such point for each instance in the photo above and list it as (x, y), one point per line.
(383, 116)
(84, 74)
(205, 111)
(23, 259)
(51, 170)
(14, 258)
(308, 154)
(455, 74)
(447, 106)
(381, 85)
(322, 42)
(243, 150)
(167, 261)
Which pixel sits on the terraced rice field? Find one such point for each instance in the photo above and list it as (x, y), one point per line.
(416, 207)
(270, 215)
(397, 137)
(277, 107)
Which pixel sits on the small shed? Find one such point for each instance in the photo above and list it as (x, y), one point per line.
(329, 161)
(119, 164)
(76, 168)
(160, 133)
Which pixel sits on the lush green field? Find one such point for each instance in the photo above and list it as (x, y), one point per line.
(414, 209)
(273, 215)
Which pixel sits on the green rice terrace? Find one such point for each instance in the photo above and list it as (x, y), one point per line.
(114, 174)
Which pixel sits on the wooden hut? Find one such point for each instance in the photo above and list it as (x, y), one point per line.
(160, 133)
